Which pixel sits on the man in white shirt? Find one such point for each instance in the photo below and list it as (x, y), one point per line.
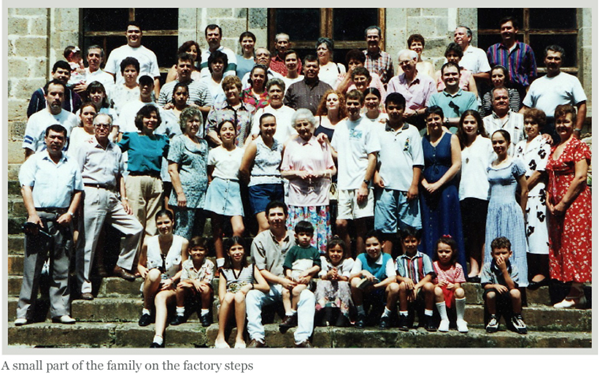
(95, 57)
(503, 118)
(262, 57)
(474, 59)
(213, 35)
(134, 48)
(53, 113)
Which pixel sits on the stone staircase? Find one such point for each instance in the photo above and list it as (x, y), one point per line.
(110, 320)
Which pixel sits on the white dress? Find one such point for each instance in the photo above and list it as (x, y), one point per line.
(535, 157)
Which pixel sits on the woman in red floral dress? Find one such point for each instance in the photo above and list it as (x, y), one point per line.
(569, 202)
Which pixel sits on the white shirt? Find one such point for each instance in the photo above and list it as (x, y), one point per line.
(284, 122)
(226, 163)
(475, 160)
(546, 93)
(146, 58)
(228, 71)
(514, 123)
(475, 60)
(103, 77)
(35, 131)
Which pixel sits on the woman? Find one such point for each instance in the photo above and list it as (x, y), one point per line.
(331, 111)
(260, 167)
(160, 266)
(234, 110)
(569, 201)
(218, 61)
(505, 216)
(85, 132)
(291, 62)
(130, 90)
(193, 49)
(246, 61)
(500, 78)
(534, 153)
(454, 53)
(257, 95)
(374, 110)
(188, 171)
(439, 203)
(98, 95)
(416, 43)
(309, 167)
(477, 154)
(329, 71)
(145, 154)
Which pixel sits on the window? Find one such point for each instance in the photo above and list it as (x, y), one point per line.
(538, 27)
(106, 27)
(305, 25)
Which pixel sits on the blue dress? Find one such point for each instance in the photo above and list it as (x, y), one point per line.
(505, 216)
(440, 210)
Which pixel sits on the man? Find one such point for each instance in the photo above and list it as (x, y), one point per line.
(276, 107)
(504, 118)
(517, 57)
(61, 71)
(282, 46)
(268, 253)
(198, 92)
(308, 92)
(95, 57)
(134, 48)
(453, 100)
(377, 61)
(415, 87)
(357, 59)
(53, 113)
(474, 59)
(355, 146)
(262, 57)
(213, 35)
(128, 113)
(51, 186)
(101, 166)
(556, 88)
(398, 174)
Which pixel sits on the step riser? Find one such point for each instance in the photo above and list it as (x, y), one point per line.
(193, 335)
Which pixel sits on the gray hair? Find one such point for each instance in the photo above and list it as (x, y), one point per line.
(275, 81)
(96, 47)
(282, 35)
(304, 114)
(468, 31)
(413, 54)
(189, 113)
(102, 114)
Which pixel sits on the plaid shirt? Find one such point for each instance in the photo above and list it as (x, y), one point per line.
(242, 118)
(520, 62)
(381, 64)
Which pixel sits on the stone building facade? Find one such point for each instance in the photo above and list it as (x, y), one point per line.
(37, 37)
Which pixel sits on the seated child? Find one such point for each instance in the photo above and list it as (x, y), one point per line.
(414, 274)
(373, 279)
(195, 282)
(302, 262)
(333, 294)
(448, 283)
(500, 282)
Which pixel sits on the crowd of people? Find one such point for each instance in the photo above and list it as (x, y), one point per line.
(473, 172)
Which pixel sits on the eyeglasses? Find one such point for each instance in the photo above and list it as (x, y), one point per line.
(102, 125)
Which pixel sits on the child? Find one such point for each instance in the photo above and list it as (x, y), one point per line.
(500, 282)
(223, 195)
(373, 279)
(450, 276)
(414, 274)
(333, 294)
(236, 279)
(302, 262)
(73, 56)
(195, 282)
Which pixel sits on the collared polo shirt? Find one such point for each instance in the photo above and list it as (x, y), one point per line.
(409, 267)
(520, 61)
(454, 105)
(100, 165)
(304, 95)
(400, 152)
(268, 254)
(416, 93)
(514, 123)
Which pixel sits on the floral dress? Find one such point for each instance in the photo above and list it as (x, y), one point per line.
(571, 233)
(535, 156)
(335, 294)
(257, 103)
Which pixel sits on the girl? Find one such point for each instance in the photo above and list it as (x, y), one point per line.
(373, 107)
(223, 195)
(98, 96)
(236, 279)
(448, 282)
(160, 265)
(333, 294)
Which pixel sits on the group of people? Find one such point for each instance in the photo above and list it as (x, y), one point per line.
(445, 165)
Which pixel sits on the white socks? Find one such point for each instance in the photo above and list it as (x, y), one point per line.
(180, 311)
(158, 340)
(460, 307)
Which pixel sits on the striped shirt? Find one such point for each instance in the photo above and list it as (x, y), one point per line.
(416, 267)
(381, 64)
(520, 61)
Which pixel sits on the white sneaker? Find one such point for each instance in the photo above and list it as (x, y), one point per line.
(65, 319)
(46, 268)
(444, 326)
(241, 345)
(462, 326)
(20, 322)
(223, 345)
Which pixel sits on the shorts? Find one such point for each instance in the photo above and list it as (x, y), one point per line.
(393, 211)
(348, 208)
(262, 194)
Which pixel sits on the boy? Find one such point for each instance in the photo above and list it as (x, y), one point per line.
(414, 275)
(500, 282)
(195, 281)
(397, 175)
(302, 262)
(373, 278)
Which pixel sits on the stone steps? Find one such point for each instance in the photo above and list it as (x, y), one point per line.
(191, 335)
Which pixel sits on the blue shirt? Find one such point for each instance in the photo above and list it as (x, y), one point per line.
(145, 153)
(455, 105)
(409, 267)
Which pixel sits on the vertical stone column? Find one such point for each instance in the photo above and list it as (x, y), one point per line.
(584, 54)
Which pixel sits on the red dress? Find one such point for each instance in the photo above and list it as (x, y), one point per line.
(571, 234)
